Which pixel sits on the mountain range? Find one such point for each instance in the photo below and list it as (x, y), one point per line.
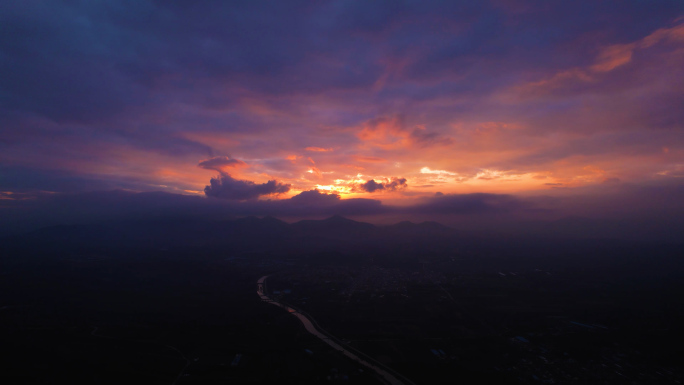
(248, 231)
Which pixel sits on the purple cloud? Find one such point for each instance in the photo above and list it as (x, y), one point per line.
(220, 162)
(104, 96)
(373, 186)
(227, 187)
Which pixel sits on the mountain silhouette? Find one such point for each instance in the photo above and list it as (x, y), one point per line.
(243, 231)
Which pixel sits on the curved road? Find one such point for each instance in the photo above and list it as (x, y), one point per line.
(387, 374)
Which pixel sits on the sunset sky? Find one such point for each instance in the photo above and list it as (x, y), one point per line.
(396, 101)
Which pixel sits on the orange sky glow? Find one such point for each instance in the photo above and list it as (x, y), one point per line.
(394, 111)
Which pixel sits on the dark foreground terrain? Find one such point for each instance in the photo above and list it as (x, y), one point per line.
(174, 302)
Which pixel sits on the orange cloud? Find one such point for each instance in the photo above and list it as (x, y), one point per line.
(620, 54)
(610, 58)
(613, 57)
(595, 170)
(558, 80)
(382, 130)
(369, 159)
(391, 133)
(675, 34)
(353, 166)
(314, 170)
(318, 149)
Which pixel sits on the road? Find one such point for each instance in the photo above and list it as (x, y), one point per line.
(386, 374)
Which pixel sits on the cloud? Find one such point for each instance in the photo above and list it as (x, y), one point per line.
(116, 96)
(427, 170)
(226, 187)
(422, 138)
(316, 203)
(219, 163)
(373, 186)
(478, 203)
(314, 170)
(633, 211)
(315, 198)
(618, 55)
(610, 57)
(369, 159)
(392, 132)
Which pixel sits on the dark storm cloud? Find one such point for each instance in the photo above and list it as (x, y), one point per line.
(226, 187)
(373, 186)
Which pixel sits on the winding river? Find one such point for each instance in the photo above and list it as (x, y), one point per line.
(388, 375)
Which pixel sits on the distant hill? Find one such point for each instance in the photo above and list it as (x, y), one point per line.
(335, 227)
(424, 228)
(248, 231)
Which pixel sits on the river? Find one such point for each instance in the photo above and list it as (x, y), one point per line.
(309, 325)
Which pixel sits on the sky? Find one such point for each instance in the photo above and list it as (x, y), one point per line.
(385, 104)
